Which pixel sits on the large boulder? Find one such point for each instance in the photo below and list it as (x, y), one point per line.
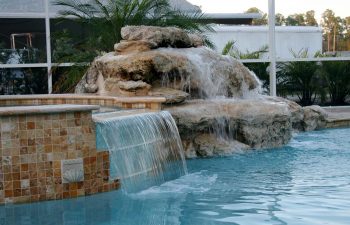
(314, 118)
(158, 36)
(297, 112)
(254, 123)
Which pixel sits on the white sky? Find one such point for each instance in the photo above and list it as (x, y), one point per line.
(286, 7)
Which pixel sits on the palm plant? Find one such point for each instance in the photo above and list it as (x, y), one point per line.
(104, 19)
(300, 78)
(231, 49)
(338, 79)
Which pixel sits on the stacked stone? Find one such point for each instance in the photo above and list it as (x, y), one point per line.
(129, 75)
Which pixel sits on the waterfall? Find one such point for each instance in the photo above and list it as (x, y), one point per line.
(200, 77)
(145, 149)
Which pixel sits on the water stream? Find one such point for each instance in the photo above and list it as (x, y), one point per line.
(145, 149)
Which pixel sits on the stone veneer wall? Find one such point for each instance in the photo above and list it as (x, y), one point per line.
(32, 148)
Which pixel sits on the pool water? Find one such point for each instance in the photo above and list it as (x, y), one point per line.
(306, 182)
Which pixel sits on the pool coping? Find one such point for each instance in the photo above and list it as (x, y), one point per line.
(83, 96)
(338, 116)
(137, 102)
(45, 109)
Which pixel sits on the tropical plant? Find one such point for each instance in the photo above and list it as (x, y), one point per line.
(338, 80)
(16, 81)
(301, 78)
(69, 49)
(2, 44)
(231, 49)
(103, 21)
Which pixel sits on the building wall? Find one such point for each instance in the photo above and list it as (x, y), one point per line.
(251, 38)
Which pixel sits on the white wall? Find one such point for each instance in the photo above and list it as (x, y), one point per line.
(251, 38)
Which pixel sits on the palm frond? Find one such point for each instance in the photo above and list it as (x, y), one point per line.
(104, 19)
(228, 47)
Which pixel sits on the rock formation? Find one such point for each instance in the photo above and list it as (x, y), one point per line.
(145, 56)
(221, 110)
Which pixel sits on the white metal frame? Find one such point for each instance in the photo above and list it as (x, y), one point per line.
(272, 48)
(48, 47)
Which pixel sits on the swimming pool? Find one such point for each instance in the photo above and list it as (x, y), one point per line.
(306, 182)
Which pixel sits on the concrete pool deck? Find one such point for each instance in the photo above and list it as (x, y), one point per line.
(338, 116)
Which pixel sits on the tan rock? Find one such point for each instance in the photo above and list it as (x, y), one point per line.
(196, 40)
(128, 47)
(296, 110)
(159, 36)
(133, 85)
(172, 96)
(211, 145)
(256, 123)
(314, 118)
(117, 87)
(88, 84)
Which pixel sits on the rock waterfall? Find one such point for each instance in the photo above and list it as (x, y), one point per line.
(215, 100)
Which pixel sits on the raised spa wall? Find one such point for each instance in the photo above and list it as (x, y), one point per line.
(48, 152)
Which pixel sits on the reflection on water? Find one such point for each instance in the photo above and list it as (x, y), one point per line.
(306, 182)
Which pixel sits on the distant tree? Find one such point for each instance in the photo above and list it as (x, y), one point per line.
(347, 26)
(310, 18)
(262, 21)
(347, 32)
(280, 19)
(297, 19)
(333, 26)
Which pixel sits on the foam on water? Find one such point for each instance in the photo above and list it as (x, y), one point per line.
(190, 183)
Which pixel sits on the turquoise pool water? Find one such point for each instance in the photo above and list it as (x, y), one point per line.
(306, 182)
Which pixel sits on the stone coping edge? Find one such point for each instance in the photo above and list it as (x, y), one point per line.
(45, 109)
(145, 99)
(100, 117)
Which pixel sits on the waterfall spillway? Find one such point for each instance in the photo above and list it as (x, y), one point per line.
(145, 149)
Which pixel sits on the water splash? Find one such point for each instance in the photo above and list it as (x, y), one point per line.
(191, 183)
(201, 78)
(145, 149)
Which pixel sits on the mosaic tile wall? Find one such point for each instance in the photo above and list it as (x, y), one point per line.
(32, 148)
